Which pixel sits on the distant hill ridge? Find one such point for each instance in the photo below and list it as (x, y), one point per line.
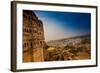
(67, 41)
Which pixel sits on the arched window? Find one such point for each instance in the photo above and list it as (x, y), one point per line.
(25, 29)
(30, 30)
(31, 44)
(27, 44)
(24, 45)
(40, 42)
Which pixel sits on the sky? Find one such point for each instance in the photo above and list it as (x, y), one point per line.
(59, 25)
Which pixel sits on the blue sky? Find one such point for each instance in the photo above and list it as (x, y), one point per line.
(58, 25)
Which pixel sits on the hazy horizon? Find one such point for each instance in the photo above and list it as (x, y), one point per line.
(68, 37)
(58, 25)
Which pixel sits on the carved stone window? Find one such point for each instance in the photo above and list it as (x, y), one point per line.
(31, 45)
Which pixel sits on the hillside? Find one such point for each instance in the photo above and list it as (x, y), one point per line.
(74, 48)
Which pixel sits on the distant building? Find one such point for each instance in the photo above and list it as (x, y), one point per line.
(33, 37)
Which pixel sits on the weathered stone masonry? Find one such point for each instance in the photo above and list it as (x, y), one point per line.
(33, 37)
